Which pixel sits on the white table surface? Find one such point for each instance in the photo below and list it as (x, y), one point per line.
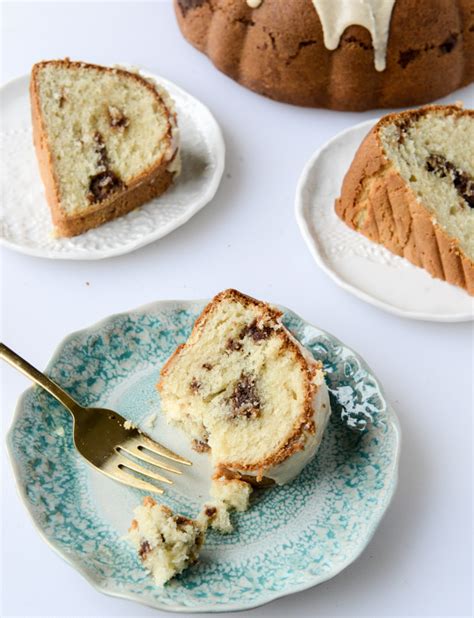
(419, 562)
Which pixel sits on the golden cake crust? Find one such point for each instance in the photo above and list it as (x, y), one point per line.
(144, 187)
(279, 52)
(377, 202)
(305, 424)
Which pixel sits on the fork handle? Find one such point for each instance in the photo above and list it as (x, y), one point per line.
(31, 372)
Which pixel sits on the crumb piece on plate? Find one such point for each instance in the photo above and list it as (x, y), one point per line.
(107, 141)
(166, 543)
(228, 495)
(215, 515)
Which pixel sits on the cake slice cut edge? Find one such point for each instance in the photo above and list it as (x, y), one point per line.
(228, 494)
(244, 387)
(410, 188)
(106, 141)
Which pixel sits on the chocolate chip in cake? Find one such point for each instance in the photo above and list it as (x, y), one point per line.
(102, 185)
(210, 511)
(207, 366)
(464, 184)
(244, 401)
(233, 346)
(117, 118)
(106, 181)
(405, 123)
(144, 549)
(182, 521)
(101, 150)
(200, 446)
(256, 332)
(194, 386)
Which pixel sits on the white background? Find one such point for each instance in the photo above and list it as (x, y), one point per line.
(419, 562)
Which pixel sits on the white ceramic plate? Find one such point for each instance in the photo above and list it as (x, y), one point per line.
(364, 268)
(25, 223)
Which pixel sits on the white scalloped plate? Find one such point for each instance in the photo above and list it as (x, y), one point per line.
(364, 268)
(25, 220)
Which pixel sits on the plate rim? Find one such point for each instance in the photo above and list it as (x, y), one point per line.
(392, 418)
(204, 199)
(313, 245)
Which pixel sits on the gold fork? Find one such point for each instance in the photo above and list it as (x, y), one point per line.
(103, 439)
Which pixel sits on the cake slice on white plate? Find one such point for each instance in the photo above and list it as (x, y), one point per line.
(106, 140)
(243, 388)
(410, 188)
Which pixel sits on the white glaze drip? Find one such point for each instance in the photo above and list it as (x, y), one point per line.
(337, 15)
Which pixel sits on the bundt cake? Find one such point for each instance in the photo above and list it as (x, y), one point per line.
(245, 389)
(411, 188)
(106, 141)
(340, 54)
(166, 543)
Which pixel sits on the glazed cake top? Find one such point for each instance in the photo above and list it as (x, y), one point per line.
(337, 15)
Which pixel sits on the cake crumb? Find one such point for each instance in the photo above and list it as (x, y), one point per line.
(129, 425)
(215, 515)
(228, 495)
(166, 544)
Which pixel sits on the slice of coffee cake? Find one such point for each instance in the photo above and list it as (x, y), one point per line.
(243, 387)
(411, 189)
(106, 141)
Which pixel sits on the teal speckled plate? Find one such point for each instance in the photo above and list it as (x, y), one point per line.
(293, 537)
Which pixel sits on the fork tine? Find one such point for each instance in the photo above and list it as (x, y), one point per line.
(119, 474)
(137, 452)
(122, 462)
(158, 449)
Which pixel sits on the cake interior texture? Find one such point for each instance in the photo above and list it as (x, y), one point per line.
(232, 492)
(216, 515)
(228, 495)
(241, 386)
(166, 543)
(104, 128)
(434, 154)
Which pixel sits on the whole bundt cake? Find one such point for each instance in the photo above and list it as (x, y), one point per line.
(339, 54)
